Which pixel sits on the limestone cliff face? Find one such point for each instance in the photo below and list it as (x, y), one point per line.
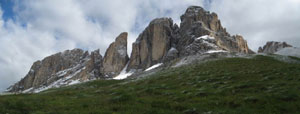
(152, 45)
(74, 66)
(196, 22)
(200, 32)
(92, 66)
(200, 22)
(272, 47)
(61, 68)
(116, 57)
(242, 45)
(236, 44)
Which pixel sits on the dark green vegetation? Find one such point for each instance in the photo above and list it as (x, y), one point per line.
(295, 58)
(234, 85)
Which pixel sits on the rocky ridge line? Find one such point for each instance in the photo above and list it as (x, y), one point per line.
(272, 47)
(200, 32)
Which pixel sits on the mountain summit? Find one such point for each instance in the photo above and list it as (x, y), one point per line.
(162, 41)
(279, 48)
(272, 47)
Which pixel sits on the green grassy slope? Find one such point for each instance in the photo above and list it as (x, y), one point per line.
(234, 85)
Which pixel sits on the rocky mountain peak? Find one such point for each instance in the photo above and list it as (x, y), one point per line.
(121, 44)
(200, 31)
(272, 47)
(162, 41)
(94, 65)
(116, 57)
(60, 69)
(164, 21)
(152, 44)
(197, 22)
(202, 18)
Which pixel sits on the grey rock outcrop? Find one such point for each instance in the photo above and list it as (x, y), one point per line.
(272, 47)
(172, 54)
(152, 45)
(162, 41)
(61, 68)
(200, 31)
(92, 67)
(116, 57)
(74, 66)
(195, 23)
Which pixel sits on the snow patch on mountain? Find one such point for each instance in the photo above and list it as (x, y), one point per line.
(63, 72)
(123, 74)
(216, 51)
(154, 66)
(74, 82)
(208, 40)
(205, 37)
(27, 90)
(64, 81)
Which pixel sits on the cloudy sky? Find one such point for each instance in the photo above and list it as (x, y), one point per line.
(33, 29)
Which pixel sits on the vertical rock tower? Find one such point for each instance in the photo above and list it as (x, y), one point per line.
(116, 57)
(152, 45)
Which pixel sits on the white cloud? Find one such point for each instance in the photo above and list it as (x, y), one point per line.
(19, 47)
(260, 21)
(62, 19)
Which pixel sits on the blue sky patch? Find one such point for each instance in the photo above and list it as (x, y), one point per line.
(7, 9)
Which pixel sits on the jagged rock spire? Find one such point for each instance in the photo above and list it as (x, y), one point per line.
(152, 45)
(162, 41)
(116, 57)
(196, 22)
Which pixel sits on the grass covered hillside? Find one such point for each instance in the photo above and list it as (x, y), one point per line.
(233, 85)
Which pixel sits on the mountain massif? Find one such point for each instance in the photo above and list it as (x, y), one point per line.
(162, 41)
(279, 48)
(272, 47)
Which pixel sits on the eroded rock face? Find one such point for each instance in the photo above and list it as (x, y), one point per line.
(200, 45)
(162, 41)
(92, 67)
(203, 20)
(171, 55)
(152, 45)
(196, 22)
(74, 66)
(116, 57)
(200, 32)
(62, 69)
(272, 47)
(52, 64)
(234, 43)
